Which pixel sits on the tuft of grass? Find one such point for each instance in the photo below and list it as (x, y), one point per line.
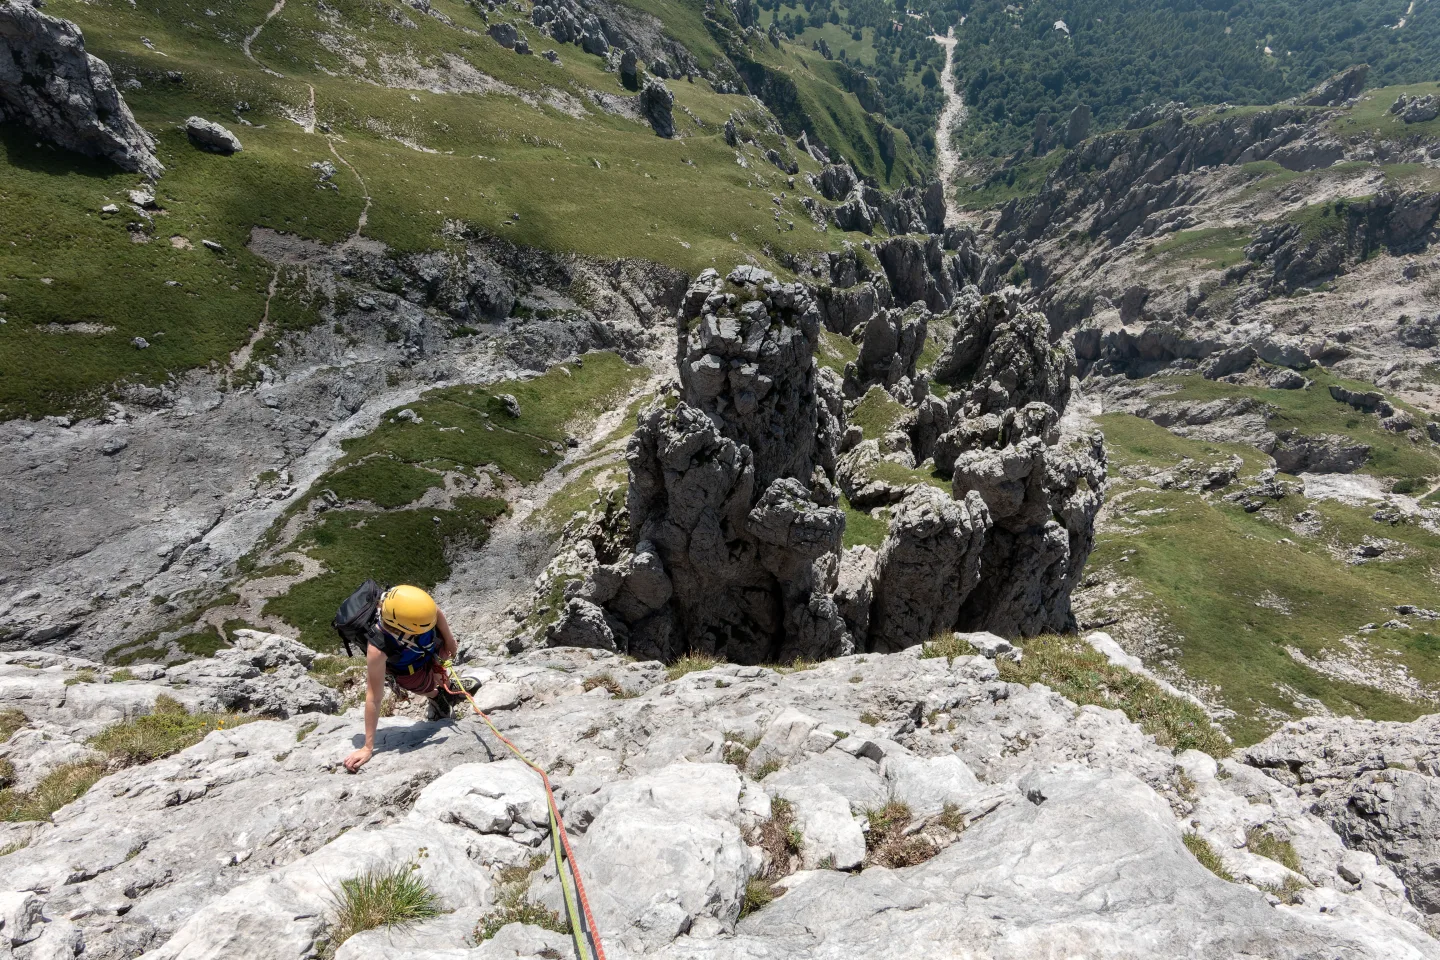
(738, 748)
(691, 663)
(512, 905)
(121, 676)
(1291, 890)
(1201, 850)
(1261, 842)
(605, 681)
(381, 898)
(84, 676)
(1079, 673)
(767, 768)
(782, 842)
(951, 818)
(11, 720)
(168, 730)
(305, 730)
(7, 773)
(948, 646)
(871, 718)
(10, 848)
(886, 844)
(59, 787)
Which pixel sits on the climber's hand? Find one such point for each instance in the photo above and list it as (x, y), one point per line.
(358, 759)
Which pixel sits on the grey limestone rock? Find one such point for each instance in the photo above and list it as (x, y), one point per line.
(927, 567)
(1376, 783)
(889, 348)
(211, 137)
(504, 34)
(64, 95)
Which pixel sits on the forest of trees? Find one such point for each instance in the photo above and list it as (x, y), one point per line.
(892, 45)
(1013, 63)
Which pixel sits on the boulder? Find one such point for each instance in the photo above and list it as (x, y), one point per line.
(65, 96)
(211, 137)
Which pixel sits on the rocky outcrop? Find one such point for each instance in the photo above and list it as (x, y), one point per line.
(732, 517)
(1416, 109)
(1339, 88)
(657, 104)
(261, 674)
(1377, 784)
(1341, 234)
(890, 346)
(49, 84)
(1113, 183)
(1026, 810)
(732, 510)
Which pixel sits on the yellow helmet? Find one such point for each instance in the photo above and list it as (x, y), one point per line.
(407, 610)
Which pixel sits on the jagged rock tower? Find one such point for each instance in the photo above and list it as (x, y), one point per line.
(735, 530)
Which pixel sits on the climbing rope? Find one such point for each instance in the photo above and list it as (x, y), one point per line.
(582, 921)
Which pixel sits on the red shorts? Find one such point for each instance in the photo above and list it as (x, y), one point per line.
(424, 682)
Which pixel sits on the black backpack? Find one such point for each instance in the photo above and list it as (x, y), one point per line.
(355, 620)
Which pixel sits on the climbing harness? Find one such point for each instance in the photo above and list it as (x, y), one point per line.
(582, 922)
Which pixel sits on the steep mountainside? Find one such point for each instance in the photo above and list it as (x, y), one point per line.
(776, 497)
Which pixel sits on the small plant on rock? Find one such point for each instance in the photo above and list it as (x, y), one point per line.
(607, 682)
(60, 786)
(948, 645)
(168, 730)
(381, 898)
(782, 841)
(889, 842)
(513, 906)
(10, 721)
(1265, 844)
(691, 663)
(1200, 848)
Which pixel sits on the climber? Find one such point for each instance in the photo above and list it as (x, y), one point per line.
(407, 643)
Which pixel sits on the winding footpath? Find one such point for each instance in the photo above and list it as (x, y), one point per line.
(947, 158)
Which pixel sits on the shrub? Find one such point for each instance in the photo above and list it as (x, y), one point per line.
(11, 720)
(1200, 848)
(1083, 675)
(59, 787)
(512, 906)
(169, 729)
(381, 899)
(691, 663)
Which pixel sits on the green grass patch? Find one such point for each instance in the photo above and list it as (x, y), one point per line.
(10, 721)
(469, 425)
(1262, 843)
(1217, 247)
(864, 529)
(877, 413)
(1238, 589)
(691, 663)
(168, 730)
(835, 351)
(204, 643)
(1022, 180)
(383, 481)
(57, 788)
(948, 646)
(1201, 850)
(1079, 673)
(900, 475)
